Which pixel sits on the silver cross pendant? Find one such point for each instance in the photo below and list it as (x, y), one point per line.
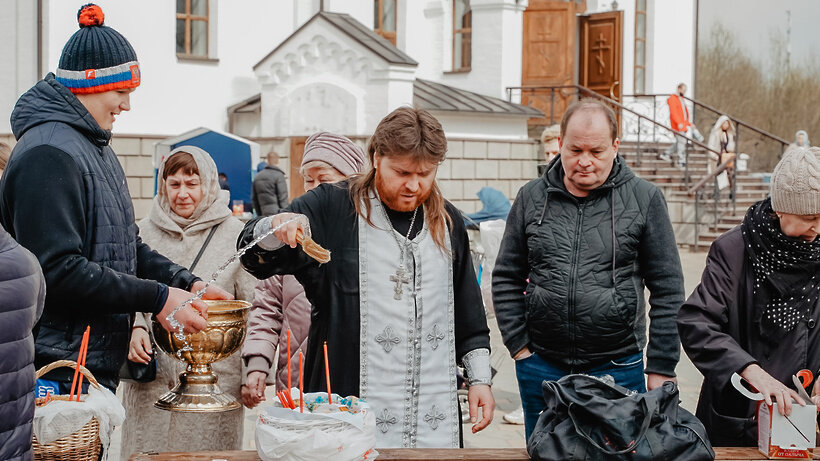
(399, 278)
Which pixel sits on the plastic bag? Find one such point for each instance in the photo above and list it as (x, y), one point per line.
(288, 435)
(491, 234)
(60, 418)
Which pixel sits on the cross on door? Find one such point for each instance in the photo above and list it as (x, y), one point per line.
(600, 47)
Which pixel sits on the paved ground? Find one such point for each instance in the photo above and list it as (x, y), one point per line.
(502, 435)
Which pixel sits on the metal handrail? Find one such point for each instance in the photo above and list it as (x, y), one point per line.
(720, 169)
(737, 121)
(587, 91)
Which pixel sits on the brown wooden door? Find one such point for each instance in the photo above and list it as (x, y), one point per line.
(548, 56)
(297, 149)
(600, 57)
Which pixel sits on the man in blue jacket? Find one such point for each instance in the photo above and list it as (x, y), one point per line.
(64, 197)
(581, 243)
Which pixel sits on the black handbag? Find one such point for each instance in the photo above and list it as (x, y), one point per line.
(588, 418)
(139, 372)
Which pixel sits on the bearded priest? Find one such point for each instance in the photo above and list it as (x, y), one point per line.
(398, 304)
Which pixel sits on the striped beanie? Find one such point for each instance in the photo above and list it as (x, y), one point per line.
(97, 58)
(336, 150)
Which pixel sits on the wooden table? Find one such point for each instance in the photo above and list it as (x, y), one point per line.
(428, 454)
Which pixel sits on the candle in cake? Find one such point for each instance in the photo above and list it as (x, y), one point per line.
(327, 375)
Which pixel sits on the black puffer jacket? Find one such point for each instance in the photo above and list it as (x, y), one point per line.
(270, 191)
(64, 197)
(587, 262)
(24, 291)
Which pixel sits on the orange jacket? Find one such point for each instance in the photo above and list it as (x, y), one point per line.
(678, 114)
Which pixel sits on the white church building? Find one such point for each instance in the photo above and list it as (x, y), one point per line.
(277, 71)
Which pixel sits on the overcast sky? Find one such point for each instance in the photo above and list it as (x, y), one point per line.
(753, 22)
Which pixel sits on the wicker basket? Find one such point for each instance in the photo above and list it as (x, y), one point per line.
(85, 444)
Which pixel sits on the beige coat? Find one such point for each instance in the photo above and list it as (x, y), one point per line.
(147, 428)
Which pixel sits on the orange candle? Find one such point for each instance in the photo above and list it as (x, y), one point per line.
(327, 375)
(301, 381)
(289, 385)
(80, 361)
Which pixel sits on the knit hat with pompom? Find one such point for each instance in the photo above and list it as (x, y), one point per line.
(97, 58)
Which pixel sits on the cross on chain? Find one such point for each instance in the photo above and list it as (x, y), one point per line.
(399, 278)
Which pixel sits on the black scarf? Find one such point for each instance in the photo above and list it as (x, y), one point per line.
(785, 271)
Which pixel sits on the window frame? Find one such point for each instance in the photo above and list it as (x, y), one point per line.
(635, 64)
(189, 18)
(389, 35)
(464, 32)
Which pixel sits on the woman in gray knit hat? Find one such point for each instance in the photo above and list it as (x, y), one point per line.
(279, 302)
(756, 309)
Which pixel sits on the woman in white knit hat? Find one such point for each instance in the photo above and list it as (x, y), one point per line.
(756, 309)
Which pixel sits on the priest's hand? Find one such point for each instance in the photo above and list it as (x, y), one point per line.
(212, 292)
(291, 224)
(480, 395)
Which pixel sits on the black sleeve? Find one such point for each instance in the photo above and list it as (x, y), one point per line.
(262, 263)
(704, 319)
(510, 279)
(154, 266)
(660, 266)
(44, 207)
(471, 329)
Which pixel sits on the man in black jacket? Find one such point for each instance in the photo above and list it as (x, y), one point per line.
(269, 193)
(24, 289)
(64, 197)
(580, 244)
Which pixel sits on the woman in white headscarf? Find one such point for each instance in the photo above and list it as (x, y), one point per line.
(189, 210)
(722, 140)
(801, 139)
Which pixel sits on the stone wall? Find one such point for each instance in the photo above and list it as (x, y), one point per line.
(470, 165)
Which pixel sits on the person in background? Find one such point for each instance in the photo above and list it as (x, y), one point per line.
(494, 206)
(801, 139)
(580, 245)
(270, 189)
(24, 291)
(756, 308)
(550, 141)
(189, 222)
(279, 302)
(5, 152)
(722, 140)
(399, 254)
(65, 198)
(261, 166)
(681, 124)
(223, 182)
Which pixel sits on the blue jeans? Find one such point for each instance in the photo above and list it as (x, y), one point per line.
(533, 370)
